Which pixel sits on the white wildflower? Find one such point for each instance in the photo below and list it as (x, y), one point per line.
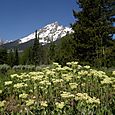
(8, 82)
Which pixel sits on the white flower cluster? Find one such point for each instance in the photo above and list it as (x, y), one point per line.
(67, 77)
(67, 95)
(113, 73)
(44, 82)
(87, 98)
(73, 85)
(60, 105)
(23, 96)
(20, 85)
(8, 82)
(0, 91)
(14, 75)
(82, 73)
(87, 67)
(30, 102)
(57, 81)
(107, 80)
(2, 103)
(44, 103)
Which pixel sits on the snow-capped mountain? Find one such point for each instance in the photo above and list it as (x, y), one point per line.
(50, 32)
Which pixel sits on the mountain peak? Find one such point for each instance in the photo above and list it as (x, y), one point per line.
(48, 33)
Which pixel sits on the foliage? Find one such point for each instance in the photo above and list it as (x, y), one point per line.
(69, 90)
(10, 59)
(4, 68)
(26, 56)
(51, 52)
(3, 56)
(37, 51)
(93, 31)
(16, 57)
(24, 67)
(64, 51)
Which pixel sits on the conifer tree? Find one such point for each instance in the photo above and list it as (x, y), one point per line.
(36, 51)
(51, 52)
(3, 56)
(16, 57)
(65, 50)
(93, 30)
(11, 58)
(29, 54)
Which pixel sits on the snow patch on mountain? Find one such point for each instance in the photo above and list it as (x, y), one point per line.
(50, 32)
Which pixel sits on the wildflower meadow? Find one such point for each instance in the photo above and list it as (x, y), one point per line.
(56, 90)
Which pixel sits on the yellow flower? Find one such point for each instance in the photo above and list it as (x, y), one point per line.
(26, 80)
(113, 72)
(83, 84)
(30, 102)
(39, 77)
(79, 66)
(14, 75)
(74, 63)
(0, 91)
(86, 67)
(48, 72)
(96, 73)
(93, 100)
(86, 98)
(82, 73)
(107, 80)
(8, 82)
(67, 77)
(32, 73)
(67, 68)
(81, 96)
(44, 103)
(60, 105)
(67, 95)
(45, 82)
(113, 86)
(57, 80)
(23, 96)
(2, 103)
(73, 85)
(68, 63)
(60, 69)
(20, 85)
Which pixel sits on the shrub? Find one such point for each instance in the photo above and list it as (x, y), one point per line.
(4, 68)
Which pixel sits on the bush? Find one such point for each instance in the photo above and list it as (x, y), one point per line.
(4, 68)
(24, 68)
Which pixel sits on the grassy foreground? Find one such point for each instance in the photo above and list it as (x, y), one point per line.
(56, 90)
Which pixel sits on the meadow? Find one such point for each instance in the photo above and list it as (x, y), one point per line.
(56, 90)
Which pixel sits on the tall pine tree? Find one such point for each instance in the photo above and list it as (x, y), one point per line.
(3, 56)
(65, 50)
(51, 52)
(11, 58)
(37, 51)
(16, 57)
(93, 30)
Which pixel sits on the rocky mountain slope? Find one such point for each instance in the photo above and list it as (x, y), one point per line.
(50, 32)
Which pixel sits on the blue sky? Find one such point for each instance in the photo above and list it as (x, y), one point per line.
(21, 17)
